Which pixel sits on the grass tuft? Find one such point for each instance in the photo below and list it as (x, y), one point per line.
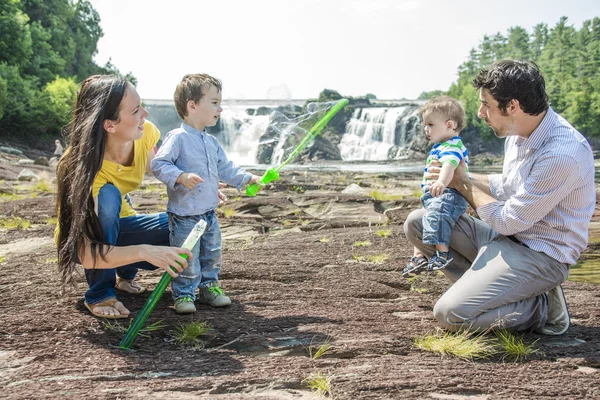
(366, 243)
(381, 196)
(2, 259)
(315, 352)
(228, 212)
(373, 258)
(189, 334)
(154, 187)
(144, 332)
(384, 233)
(14, 223)
(42, 186)
(470, 346)
(52, 221)
(10, 196)
(378, 258)
(463, 345)
(324, 240)
(512, 346)
(319, 383)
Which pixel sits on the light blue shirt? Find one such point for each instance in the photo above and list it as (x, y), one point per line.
(189, 150)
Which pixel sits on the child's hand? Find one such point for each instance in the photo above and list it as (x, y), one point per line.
(254, 179)
(189, 180)
(436, 188)
(222, 197)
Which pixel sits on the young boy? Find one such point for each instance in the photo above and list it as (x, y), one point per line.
(191, 163)
(443, 118)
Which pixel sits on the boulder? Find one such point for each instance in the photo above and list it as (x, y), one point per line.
(354, 189)
(11, 150)
(41, 160)
(27, 175)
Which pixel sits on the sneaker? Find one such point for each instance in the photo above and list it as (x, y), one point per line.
(185, 305)
(213, 295)
(415, 266)
(440, 260)
(558, 313)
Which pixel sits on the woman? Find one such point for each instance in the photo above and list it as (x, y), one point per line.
(59, 149)
(111, 146)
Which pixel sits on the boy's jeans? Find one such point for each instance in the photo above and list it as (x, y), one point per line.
(206, 262)
(138, 229)
(442, 213)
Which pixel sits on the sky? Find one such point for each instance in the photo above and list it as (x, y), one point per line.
(280, 49)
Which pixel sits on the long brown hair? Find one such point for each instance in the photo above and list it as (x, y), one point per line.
(99, 99)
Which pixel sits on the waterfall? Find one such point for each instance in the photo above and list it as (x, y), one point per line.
(374, 134)
(240, 135)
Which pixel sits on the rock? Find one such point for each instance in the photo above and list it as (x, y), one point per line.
(353, 189)
(11, 150)
(27, 175)
(41, 160)
(53, 162)
(25, 161)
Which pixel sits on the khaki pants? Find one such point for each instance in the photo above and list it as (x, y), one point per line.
(497, 282)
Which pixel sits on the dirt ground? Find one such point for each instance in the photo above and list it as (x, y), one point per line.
(296, 278)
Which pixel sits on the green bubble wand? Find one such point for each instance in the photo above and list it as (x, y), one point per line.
(157, 293)
(272, 174)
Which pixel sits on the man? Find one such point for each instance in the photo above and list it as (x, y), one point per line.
(509, 265)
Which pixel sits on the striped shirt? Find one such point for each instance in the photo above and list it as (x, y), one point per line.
(450, 151)
(546, 194)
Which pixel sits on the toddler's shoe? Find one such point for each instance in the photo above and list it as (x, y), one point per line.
(440, 260)
(213, 295)
(185, 305)
(415, 266)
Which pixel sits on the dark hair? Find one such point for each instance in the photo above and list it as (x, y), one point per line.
(520, 80)
(99, 99)
(448, 107)
(191, 87)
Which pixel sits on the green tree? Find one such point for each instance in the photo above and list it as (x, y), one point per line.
(15, 37)
(429, 95)
(45, 47)
(517, 46)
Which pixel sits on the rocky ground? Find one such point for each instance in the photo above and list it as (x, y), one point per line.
(298, 278)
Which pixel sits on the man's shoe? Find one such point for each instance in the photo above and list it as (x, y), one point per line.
(558, 313)
(185, 305)
(213, 295)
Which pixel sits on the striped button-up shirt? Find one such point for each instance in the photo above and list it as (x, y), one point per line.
(546, 194)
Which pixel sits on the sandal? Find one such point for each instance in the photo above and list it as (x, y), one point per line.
(415, 266)
(129, 286)
(440, 260)
(107, 303)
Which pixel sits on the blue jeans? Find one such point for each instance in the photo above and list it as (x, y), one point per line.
(441, 214)
(206, 262)
(137, 229)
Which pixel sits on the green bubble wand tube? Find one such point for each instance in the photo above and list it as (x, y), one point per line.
(272, 174)
(157, 293)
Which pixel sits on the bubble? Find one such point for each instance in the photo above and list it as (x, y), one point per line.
(279, 92)
(289, 132)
